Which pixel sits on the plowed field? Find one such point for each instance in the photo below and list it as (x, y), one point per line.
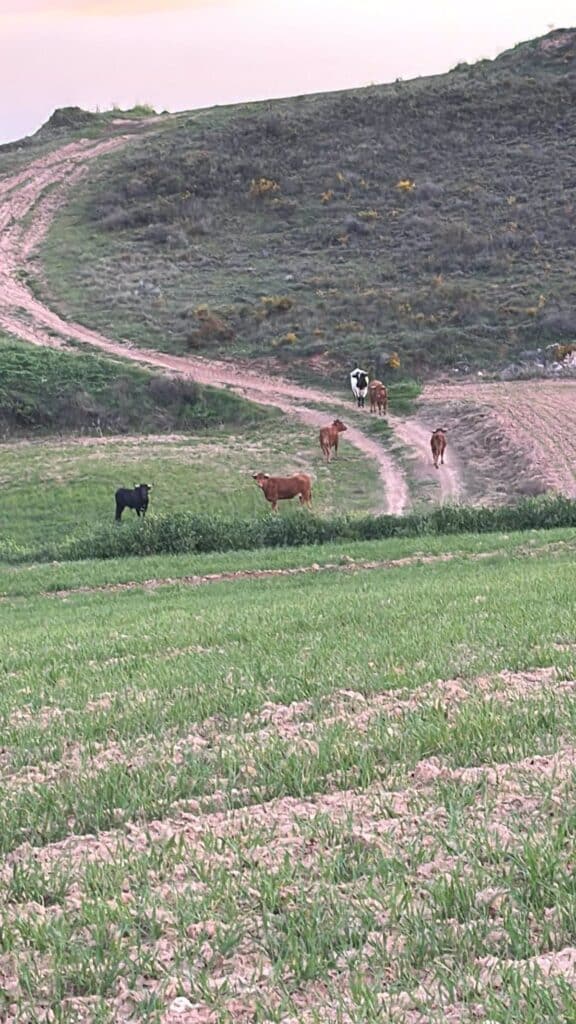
(515, 438)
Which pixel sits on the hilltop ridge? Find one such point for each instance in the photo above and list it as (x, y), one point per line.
(434, 217)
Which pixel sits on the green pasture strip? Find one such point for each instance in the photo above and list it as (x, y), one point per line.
(26, 580)
(65, 489)
(94, 668)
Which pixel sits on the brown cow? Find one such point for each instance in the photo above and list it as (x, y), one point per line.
(438, 445)
(378, 395)
(277, 488)
(329, 438)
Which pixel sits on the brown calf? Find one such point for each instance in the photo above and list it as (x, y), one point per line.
(276, 488)
(329, 438)
(378, 395)
(438, 446)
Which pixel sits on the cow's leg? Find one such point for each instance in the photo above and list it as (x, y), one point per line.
(336, 446)
(119, 510)
(138, 513)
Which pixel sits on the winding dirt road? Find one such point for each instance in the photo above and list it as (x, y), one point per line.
(415, 436)
(28, 203)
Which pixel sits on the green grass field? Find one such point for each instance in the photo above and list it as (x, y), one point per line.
(327, 784)
(57, 489)
(276, 798)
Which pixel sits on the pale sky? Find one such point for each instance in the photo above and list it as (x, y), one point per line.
(181, 54)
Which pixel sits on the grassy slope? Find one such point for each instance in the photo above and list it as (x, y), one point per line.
(106, 709)
(166, 245)
(45, 391)
(210, 473)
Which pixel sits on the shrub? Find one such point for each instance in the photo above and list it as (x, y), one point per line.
(261, 188)
(429, 190)
(353, 226)
(185, 532)
(559, 322)
(275, 304)
(211, 327)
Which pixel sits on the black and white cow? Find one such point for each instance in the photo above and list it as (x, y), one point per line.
(359, 383)
(136, 499)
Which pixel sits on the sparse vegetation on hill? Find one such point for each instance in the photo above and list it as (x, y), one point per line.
(435, 218)
(47, 391)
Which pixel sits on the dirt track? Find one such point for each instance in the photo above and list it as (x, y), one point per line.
(28, 202)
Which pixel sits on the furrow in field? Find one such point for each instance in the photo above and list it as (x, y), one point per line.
(377, 723)
(227, 894)
(301, 724)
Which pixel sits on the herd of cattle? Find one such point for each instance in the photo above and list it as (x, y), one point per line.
(278, 488)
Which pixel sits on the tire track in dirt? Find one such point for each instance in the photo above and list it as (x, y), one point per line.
(23, 315)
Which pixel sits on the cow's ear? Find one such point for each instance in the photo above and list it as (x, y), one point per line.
(149, 487)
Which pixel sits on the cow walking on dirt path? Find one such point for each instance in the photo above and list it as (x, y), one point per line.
(438, 446)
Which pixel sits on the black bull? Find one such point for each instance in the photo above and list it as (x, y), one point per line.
(137, 498)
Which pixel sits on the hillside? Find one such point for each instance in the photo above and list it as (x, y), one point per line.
(435, 217)
(43, 391)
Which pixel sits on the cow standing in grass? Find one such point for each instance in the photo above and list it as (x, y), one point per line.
(378, 395)
(277, 488)
(359, 384)
(438, 446)
(329, 438)
(137, 498)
